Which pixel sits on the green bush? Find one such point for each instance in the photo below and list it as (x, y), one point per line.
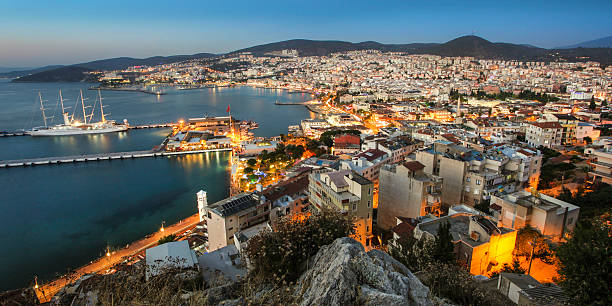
(585, 263)
(281, 254)
(455, 283)
(166, 239)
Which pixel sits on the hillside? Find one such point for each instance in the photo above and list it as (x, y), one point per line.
(70, 73)
(62, 74)
(472, 46)
(605, 42)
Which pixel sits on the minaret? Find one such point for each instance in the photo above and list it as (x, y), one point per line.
(459, 106)
(202, 203)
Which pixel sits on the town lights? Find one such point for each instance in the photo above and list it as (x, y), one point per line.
(35, 282)
(162, 227)
(108, 254)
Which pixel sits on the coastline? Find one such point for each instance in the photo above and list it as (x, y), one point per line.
(46, 291)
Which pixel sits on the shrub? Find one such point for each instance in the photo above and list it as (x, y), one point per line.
(585, 265)
(166, 239)
(281, 254)
(454, 283)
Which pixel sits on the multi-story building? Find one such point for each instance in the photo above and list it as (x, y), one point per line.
(546, 134)
(584, 130)
(470, 176)
(226, 217)
(480, 245)
(552, 217)
(345, 191)
(602, 165)
(366, 164)
(406, 191)
(569, 124)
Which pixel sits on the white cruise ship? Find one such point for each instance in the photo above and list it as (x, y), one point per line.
(76, 127)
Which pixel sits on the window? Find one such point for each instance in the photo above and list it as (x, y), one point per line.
(354, 206)
(369, 191)
(476, 191)
(231, 228)
(468, 179)
(368, 203)
(478, 182)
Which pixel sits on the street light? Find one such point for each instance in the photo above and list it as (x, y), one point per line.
(108, 254)
(35, 282)
(162, 226)
(532, 244)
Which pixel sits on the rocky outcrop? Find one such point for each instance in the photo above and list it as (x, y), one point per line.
(342, 273)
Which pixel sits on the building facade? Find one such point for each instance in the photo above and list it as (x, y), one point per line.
(345, 191)
(407, 191)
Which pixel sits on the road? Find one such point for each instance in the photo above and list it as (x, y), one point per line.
(48, 290)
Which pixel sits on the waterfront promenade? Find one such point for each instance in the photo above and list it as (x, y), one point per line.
(47, 291)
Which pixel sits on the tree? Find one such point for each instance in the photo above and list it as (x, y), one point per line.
(585, 263)
(588, 140)
(514, 268)
(444, 249)
(528, 239)
(592, 105)
(415, 254)
(604, 103)
(166, 239)
(252, 162)
(282, 254)
(483, 206)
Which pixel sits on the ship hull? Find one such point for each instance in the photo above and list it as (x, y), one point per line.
(72, 132)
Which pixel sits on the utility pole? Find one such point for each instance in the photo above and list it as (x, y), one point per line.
(532, 243)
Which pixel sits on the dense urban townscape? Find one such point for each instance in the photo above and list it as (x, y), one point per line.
(489, 175)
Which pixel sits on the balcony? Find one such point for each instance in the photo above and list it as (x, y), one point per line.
(602, 164)
(602, 174)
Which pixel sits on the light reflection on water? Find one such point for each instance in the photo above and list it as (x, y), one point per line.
(61, 216)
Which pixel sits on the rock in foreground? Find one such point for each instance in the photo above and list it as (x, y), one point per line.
(342, 273)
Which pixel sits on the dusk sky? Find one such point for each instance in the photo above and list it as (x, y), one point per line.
(36, 33)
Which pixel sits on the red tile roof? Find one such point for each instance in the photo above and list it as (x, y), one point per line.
(414, 166)
(547, 125)
(371, 154)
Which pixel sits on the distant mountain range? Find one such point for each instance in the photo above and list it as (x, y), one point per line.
(70, 73)
(605, 42)
(473, 46)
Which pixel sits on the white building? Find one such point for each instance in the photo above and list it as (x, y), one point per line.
(169, 255)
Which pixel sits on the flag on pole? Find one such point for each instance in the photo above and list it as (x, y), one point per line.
(228, 109)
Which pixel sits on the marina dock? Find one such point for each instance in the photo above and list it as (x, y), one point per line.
(97, 157)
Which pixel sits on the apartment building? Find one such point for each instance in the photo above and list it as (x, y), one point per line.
(228, 216)
(480, 245)
(552, 217)
(366, 164)
(470, 176)
(345, 191)
(407, 191)
(546, 134)
(602, 165)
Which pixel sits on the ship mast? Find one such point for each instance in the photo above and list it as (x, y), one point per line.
(101, 107)
(83, 105)
(42, 109)
(64, 112)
